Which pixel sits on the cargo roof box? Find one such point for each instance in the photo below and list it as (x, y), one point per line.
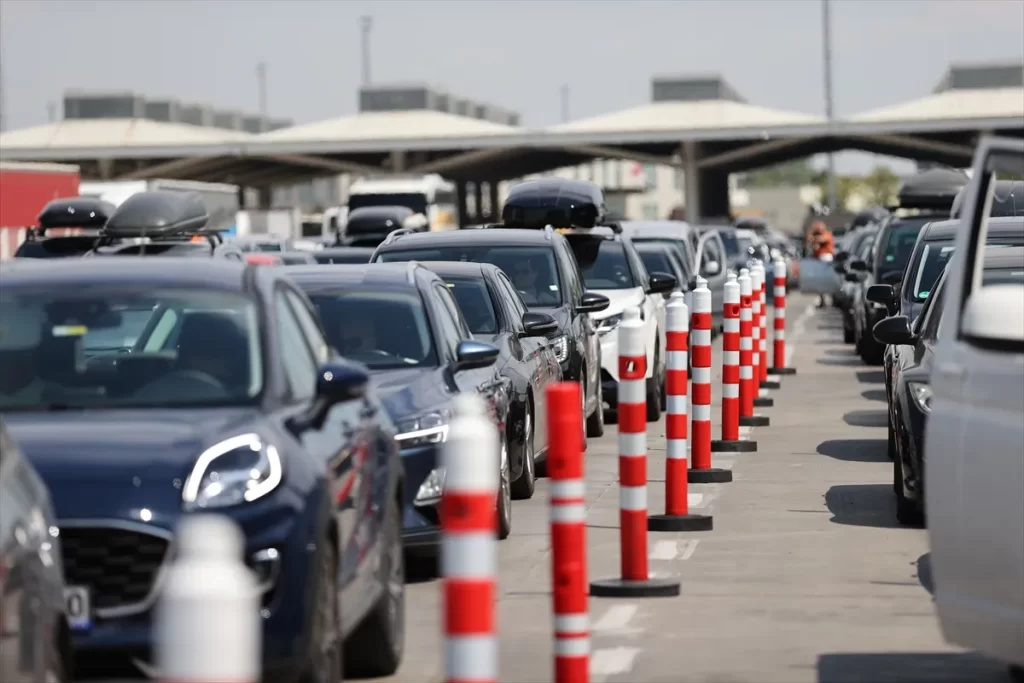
(555, 202)
(934, 189)
(1007, 199)
(87, 213)
(159, 214)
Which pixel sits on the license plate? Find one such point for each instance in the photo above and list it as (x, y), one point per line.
(78, 608)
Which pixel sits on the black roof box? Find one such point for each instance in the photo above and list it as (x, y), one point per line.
(373, 219)
(935, 188)
(158, 214)
(1007, 200)
(555, 202)
(89, 213)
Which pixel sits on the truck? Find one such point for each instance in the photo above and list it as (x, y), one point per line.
(430, 195)
(25, 188)
(221, 200)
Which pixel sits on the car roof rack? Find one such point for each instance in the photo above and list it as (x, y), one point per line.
(410, 272)
(395, 234)
(161, 215)
(933, 189)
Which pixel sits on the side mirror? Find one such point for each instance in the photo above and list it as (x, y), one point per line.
(592, 302)
(842, 257)
(852, 277)
(895, 331)
(662, 283)
(994, 315)
(859, 266)
(712, 268)
(538, 324)
(470, 355)
(882, 295)
(338, 381)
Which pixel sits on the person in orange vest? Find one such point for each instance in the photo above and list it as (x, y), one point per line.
(822, 245)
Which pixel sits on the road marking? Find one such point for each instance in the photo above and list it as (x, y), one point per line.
(689, 548)
(744, 432)
(612, 662)
(798, 331)
(616, 618)
(762, 393)
(665, 550)
(694, 499)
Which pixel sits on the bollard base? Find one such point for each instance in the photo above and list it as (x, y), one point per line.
(764, 402)
(712, 475)
(781, 371)
(771, 384)
(739, 446)
(754, 421)
(689, 522)
(624, 588)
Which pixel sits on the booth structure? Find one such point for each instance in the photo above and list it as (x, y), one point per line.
(698, 124)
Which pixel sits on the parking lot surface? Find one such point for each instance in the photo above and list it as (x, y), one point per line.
(806, 576)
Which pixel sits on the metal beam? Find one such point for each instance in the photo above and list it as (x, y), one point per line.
(457, 161)
(602, 152)
(911, 142)
(738, 155)
(171, 169)
(331, 166)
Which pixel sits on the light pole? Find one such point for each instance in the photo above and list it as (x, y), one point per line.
(565, 103)
(261, 85)
(826, 35)
(365, 23)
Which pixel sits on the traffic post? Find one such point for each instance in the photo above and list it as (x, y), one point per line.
(677, 515)
(748, 389)
(779, 322)
(757, 331)
(701, 471)
(469, 555)
(568, 534)
(730, 441)
(208, 627)
(635, 581)
(765, 382)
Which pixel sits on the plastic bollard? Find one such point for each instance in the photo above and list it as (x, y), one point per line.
(207, 626)
(635, 578)
(730, 441)
(748, 385)
(469, 558)
(701, 471)
(677, 515)
(568, 535)
(763, 381)
(779, 322)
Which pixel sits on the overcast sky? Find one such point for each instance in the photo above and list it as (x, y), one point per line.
(514, 54)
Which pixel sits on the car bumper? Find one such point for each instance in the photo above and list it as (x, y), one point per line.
(421, 523)
(289, 528)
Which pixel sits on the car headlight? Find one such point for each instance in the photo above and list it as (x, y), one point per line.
(921, 392)
(561, 345)
(608, 324)
(424, 430)
(431, 489)
(238, 470)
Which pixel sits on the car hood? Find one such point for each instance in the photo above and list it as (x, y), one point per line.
(408, 392)
(116, 463)
(619, 300)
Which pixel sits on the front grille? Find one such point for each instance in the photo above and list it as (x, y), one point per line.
(119, 567)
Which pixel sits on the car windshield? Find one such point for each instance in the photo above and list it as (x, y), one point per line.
(55, 247)
(417, 201)
(602, 262)
(899, 245)
(381, 329)
(732, 245)
(105, 348)
(531, 269)
(681, 248)
(475, 303)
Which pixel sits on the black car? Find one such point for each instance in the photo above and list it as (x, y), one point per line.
(297, 258)
(35, 640)
(403, 323)
(350, 255)
(146, 389)
(370, 225)
(77, 219)
(545, 273)
(858, 250)
(659, 257)
(910, 403)
(496, 314)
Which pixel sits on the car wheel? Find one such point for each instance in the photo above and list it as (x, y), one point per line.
(504, 495)
(376, 646)
(595, 423)
(908, 512)
(325, 643)
(523, 487)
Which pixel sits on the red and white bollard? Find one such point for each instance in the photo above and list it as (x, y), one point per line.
(701, 471)
(208, 627)
(758, 328)
(677, 515)
(469, 554)
(635, 578)
(763, 381)
(730, 441)
(779, 322)
(748, 386)
(568, 535)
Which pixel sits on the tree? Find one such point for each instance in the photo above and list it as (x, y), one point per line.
(787, 174)
(846, 187)
(881, 186)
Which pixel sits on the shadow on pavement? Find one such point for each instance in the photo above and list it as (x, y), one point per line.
(841, 353)
(870, 505)
(909, 667)
(848, 361)
(855, 450)
(867, 418)
(924, 573)
(871, 377)
(830, 326)
(874, 395)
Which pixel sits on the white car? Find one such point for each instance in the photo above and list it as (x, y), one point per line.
(611, 266)
(974, 440)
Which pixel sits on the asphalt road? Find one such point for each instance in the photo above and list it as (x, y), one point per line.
(807, 576)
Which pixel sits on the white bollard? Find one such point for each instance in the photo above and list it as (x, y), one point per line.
(208, 627)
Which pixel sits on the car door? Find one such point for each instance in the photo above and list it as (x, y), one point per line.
(714, 269)
(537, 358)
(975, 460)
(483, 381)
(583, 325)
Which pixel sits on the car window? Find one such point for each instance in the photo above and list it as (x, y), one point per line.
(603, 263)
(571, 268)
(449, 319)
(516, 301)
(927, 267)
(656, 261)
(475, 304)
(300, 366)
(900, 239)
(932, 315)
(732, 245)
(310, 327)
(121, 338)
(636, 264)
(713, 252)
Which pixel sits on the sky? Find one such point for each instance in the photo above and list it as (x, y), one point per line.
(515, 54)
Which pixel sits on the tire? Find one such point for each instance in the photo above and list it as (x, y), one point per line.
(595, 423)
(524, 486)
(908, 512)
(504, 495)
(653, 387)
(325, 642)
(378, 643)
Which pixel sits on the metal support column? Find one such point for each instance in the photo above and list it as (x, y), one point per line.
(397, 161)
(691, 182)
(460, 194)
(478, 196)
(495, 205)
